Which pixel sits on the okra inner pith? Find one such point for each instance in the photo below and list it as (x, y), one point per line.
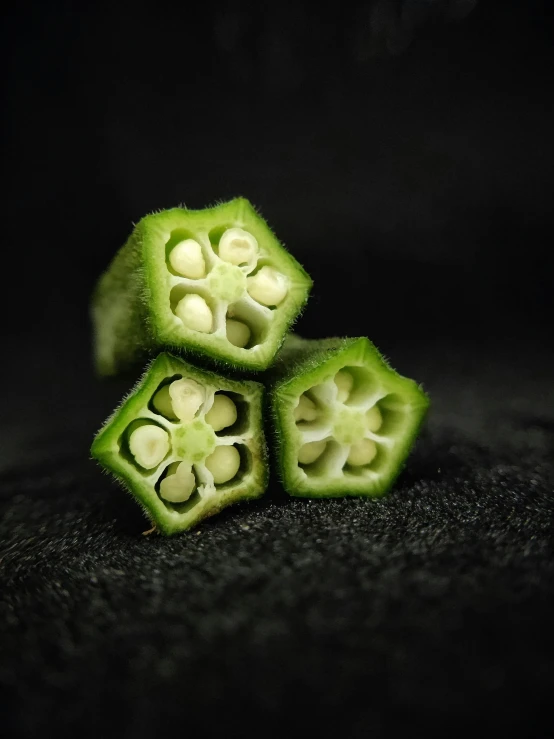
(215, 281)
(345, 420)
(186, 443)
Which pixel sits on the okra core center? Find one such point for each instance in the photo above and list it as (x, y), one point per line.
(349, 426)
(194, 441)
(227, 282)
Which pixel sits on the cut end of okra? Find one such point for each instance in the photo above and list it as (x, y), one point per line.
(186, 443)
(345, 420)
(214, 281)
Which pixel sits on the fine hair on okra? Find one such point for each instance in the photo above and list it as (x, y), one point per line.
(186, 443)
(344, 420)
(214, 282)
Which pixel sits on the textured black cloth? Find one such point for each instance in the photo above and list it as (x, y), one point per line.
(428, 611)
(408, 165)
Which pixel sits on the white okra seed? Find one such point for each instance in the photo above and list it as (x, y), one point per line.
(149, 444)
(195, 313)
(237, 246)
(238, 333)
(224, 463)
(311, 451)
(306, 410)
(162, 403)
(268, 286)
(362, 453)
(186, 259)
(374, 419)
(344, 382)
(186, 398)
(222, 414)
(180, 399)
(179, 483)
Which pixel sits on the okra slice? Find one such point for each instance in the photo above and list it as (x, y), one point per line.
(216, 282)
(186, 443)
(345, 421)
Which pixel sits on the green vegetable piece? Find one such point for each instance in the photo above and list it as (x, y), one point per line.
(215, 282)
(186, 443)
(345, 421)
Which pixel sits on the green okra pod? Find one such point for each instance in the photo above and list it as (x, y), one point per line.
(186, 443)
(215, 282)
(344, 420)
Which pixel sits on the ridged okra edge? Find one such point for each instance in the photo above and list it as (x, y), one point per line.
(105, 449)
(118, 312)
(303, 363)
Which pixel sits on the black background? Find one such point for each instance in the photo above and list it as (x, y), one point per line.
(403, 152)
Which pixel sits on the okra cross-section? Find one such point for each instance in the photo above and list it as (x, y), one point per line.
(186, 443)
(345, 420)
(216, 282)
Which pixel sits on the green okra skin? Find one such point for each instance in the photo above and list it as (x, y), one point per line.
(344, 420)
(186, 443)
(214, 282)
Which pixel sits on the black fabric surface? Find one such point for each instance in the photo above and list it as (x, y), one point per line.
(403, 150)
(428, 611)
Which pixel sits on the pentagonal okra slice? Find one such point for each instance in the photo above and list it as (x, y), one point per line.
(345, 420)
(186, 443)
(216, 282)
